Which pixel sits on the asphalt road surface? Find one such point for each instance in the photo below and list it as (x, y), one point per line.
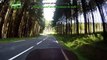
(41, 48)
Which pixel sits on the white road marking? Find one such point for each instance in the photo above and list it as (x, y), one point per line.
(21, 53)
(55, 41)
(41, 41)
(26, 49)
(66, 58)
(20, 41)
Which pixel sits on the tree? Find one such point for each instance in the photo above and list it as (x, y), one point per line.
(20, 21)
(84, 13)
(91, 10)
(76, 15)
(99, 4)
(4, 7)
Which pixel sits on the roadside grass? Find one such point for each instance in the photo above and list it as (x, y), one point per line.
(9, 40)
(76, 44)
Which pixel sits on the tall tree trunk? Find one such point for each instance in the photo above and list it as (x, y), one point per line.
(9, 33)
(18, 21)
(88, 26)
(71, 26)
(84, 13)
(6, 23)
(2, 17)
(76, 16)
(14, 15)
(103, 20)
(22, 25)
(90, 5)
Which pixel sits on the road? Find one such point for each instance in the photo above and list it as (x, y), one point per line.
(41, 48)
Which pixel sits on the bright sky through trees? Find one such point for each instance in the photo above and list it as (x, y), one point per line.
(48, 12)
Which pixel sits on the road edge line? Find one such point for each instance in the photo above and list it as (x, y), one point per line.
(66, 58)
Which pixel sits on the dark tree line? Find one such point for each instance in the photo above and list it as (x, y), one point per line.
(87, 8)
(21, 22)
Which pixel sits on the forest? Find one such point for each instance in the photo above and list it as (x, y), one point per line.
(82, 29)
(88, 18)
(19, 19)
(79, 29)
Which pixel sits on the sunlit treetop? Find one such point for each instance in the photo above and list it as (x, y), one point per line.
(15, 4)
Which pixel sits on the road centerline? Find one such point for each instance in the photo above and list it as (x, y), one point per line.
(21, 53)
(41, 41)
(12, 58)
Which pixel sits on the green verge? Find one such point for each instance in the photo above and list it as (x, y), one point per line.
(9, 40)
(75, 43)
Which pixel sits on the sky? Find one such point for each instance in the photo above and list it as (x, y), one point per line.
(48, 12)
